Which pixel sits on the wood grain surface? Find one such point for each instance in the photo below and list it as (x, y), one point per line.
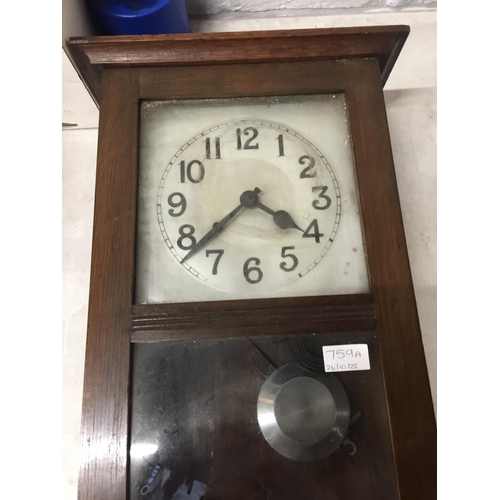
(94, 53)
(103, 473)
(409, 398)
(242, 80)
(153, 322)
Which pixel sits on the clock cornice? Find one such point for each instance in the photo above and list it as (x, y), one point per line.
(93, 54)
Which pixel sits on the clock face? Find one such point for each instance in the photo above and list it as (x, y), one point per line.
(249, 203)
(247, 198)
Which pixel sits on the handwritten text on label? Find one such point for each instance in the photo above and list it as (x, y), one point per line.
(345, 358)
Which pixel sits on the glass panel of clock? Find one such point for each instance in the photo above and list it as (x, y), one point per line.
(255, 418)
(247, 198)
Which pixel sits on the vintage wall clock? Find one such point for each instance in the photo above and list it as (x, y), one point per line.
(253, 332)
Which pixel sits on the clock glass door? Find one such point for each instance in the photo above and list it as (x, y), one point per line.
(254, 418)
(249, 417)
(247, 198)
(252, 198)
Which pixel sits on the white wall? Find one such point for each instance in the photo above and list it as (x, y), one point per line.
(411, 108)
(78, 161)
(211, 7)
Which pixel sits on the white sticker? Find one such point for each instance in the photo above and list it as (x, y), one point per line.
(346, 358)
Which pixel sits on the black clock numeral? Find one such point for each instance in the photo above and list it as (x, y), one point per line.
(186, 231)
(281, 147)
(312, 231)
(188, 171)
(182, 203)
(306, 173)
(322, 195)
(247, 145)
(247, 270)
(294, 263)
(208, 148)
(217, 259)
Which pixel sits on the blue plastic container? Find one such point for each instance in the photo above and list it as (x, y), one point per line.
(139, 17)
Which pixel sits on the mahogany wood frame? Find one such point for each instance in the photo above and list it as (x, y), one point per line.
(119, 72)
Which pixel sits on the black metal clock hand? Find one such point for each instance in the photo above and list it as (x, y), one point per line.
(281, 218)
(247, 199)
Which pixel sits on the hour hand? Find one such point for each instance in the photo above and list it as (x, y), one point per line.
(281, 218)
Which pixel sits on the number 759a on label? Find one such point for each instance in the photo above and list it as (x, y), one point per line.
(346, 358)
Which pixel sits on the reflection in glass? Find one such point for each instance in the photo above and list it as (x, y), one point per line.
(195, 421)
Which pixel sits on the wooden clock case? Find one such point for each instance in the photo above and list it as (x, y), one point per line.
(120, 72)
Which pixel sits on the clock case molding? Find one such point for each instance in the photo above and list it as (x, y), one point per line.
(121, 71)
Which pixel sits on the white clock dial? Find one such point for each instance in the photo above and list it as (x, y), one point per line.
(247, 198)
(278, 235)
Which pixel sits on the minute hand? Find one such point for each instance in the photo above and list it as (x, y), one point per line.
(212, 233)
(281, 218)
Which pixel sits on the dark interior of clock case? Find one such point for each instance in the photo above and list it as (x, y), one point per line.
(195, 431)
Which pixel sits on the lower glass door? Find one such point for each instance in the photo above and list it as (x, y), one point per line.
(258, 418)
